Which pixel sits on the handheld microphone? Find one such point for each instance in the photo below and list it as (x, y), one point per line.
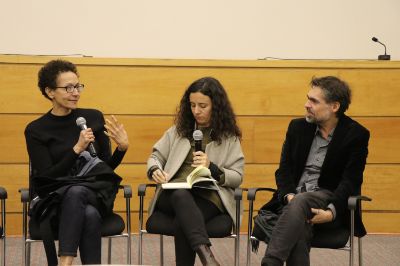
(382, 56)
(198, 138)
(81, 122)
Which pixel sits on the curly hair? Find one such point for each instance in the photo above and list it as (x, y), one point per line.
(47, 76)
(335, 90)
(223, 119)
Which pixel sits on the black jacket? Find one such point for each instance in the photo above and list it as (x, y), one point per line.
(341, 172)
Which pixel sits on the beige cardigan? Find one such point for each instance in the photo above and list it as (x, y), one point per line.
(171, 150)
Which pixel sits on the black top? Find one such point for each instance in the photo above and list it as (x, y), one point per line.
(50, 140)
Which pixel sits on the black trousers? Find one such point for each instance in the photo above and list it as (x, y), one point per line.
(80, 225)
(191, 214)
(292, 235)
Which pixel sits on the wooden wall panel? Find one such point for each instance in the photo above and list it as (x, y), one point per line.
(380, 183)
(382, 222)
(13, 177)
(384, 141)
(262, 137)
(266, 95)
(255, 88)
(12, 139)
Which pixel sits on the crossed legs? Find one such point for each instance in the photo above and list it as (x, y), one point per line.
(291, 237)
(191, 213)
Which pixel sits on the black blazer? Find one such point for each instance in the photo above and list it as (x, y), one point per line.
(341, 172)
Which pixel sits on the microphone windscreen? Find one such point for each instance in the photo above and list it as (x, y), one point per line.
(80, 121)
(197, 135)
(374, 39)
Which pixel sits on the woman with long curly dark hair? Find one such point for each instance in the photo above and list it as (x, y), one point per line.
(204, 107)
(223, 120)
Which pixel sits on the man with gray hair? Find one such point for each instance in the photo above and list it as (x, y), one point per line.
(322, 164)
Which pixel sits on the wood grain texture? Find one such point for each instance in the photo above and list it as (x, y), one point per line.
(262, 137)
(266, 95)
(255, 88)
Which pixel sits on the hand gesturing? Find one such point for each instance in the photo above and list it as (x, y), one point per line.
(117, 133)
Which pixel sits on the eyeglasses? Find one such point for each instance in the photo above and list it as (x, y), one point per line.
(70, 88)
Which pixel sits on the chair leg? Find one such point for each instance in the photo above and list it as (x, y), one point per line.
(351, 262)
(23, 251)
(237, 240)
(128, 231)
(128, 249)
(352, 238)
(3, 225)
(26, 246)
(109, 250)
(3, 259)
(360, 260)
(249, 230)
(140, 254)
(161, 251)
(237, 230)
(27, 254)
(140, 246)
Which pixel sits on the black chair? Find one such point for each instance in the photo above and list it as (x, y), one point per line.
(3, 197)
(113, 226)
(342, 238)
(219, 227)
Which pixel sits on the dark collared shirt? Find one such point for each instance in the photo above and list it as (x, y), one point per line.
(312, 169)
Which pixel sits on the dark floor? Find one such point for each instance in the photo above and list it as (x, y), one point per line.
(377, 250)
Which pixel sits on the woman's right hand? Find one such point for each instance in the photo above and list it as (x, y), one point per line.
(159, 176)
(85, 137)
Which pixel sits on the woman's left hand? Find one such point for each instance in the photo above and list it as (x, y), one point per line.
(117, 133)
(200, 158)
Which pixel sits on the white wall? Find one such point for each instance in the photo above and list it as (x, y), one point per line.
(206, 29)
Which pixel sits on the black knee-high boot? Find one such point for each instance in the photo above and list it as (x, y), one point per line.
(206, 256)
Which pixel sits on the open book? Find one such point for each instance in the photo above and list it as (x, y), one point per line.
(199, 177)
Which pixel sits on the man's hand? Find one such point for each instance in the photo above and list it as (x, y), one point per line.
(321, 216)
(289, 197)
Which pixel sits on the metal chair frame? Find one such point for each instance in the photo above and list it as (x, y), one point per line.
(3, 197)
(27, 241)
(235, 234)
(354, 202)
